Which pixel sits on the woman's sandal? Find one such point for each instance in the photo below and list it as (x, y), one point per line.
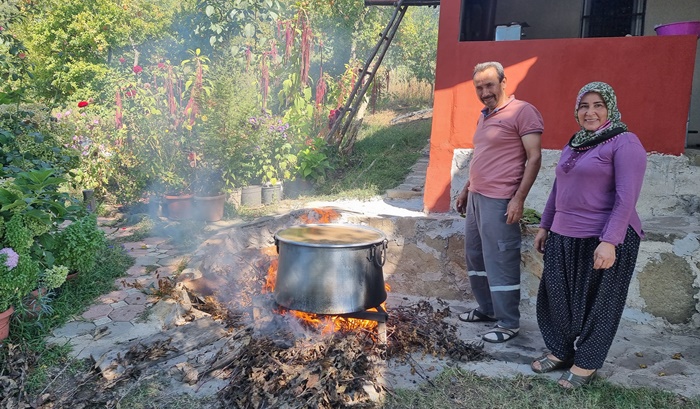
(475, 316)
(548, 365)
(576, 381)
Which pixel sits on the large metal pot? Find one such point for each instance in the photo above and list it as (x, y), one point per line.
(330, 268)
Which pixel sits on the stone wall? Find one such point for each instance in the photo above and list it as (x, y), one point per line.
(426, 258)
(670, 183)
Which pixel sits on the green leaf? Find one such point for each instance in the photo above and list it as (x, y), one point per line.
(209, 10)
(249, 30)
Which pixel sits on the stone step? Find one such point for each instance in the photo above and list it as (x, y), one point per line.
(403, 194)
(415, 180)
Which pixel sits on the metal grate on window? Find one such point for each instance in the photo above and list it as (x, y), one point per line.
(612, 18)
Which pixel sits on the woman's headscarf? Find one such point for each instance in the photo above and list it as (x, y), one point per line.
(585, 139)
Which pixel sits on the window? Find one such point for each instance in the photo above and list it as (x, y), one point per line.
(477, 20)
(612, 18)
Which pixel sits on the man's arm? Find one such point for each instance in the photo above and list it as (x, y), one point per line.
(533, 149)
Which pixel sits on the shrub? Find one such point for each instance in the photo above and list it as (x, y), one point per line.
(79, 243)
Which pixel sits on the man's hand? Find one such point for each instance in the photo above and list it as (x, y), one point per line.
(514, 210)
(540, 239)
(604, 256)
(461, 204)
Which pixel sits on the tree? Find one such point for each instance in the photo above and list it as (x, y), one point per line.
(71, 41)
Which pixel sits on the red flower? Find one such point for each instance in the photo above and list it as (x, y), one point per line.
(21, 55)
(137, 69)
(161, 65)
(82, 104)
(122, 60)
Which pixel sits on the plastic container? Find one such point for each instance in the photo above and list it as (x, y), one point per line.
(680, 28)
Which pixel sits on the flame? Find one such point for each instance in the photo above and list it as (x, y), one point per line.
(271, 279)
(325, 215)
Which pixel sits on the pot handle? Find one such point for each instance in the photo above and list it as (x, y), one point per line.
(380, 259)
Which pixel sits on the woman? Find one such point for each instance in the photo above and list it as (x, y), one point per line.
(589, 234)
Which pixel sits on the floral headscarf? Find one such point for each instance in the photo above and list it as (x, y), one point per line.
(584, 139)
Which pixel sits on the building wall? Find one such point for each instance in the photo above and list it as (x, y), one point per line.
(549, 73)
(562, 19)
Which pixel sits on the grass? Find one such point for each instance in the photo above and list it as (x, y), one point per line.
(382, 157)
(456, 388)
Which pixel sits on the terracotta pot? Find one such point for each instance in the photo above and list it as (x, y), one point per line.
(5, 322)
(178, 207)
(209, 208)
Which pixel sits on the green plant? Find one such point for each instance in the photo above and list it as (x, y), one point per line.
(158, 114)
(18, 271)
(79, 243)
(312, 161)
(34, 197)
(226, 145)
(273, 155)
(30, 139)
(53, 277)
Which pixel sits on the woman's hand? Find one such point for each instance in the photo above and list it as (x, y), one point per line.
(540, 239)
(604, 256)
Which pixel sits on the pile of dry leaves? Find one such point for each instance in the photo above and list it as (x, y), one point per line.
(338, 370)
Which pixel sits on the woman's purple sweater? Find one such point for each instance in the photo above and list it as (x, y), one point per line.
(595, 191)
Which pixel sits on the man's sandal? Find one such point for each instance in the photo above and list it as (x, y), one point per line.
(575, 381)
(500, 334)
(475, 316)
(548, 365)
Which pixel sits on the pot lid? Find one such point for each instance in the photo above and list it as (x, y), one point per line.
(330, 235)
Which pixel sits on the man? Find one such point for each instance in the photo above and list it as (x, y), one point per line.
(505, 163)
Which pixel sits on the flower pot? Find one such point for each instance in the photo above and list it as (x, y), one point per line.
(251, 196)
(297, 187)
(209, 208)
(5, 323)
(178, 207)
(271, 194)
(234, 198)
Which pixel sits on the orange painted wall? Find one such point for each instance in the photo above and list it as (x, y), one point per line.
(652, 77)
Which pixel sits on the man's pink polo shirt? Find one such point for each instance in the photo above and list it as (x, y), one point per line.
(498, 163)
